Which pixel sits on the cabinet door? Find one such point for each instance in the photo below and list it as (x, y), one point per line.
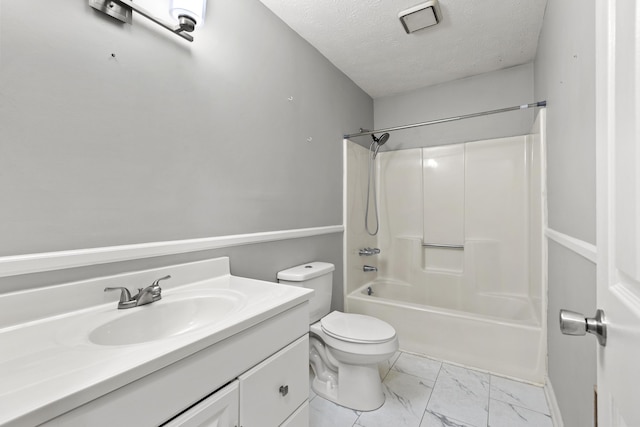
(218, 410)
(274, 389)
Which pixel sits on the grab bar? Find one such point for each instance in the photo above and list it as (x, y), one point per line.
(443, 246)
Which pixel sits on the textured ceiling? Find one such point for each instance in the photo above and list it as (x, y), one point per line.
(366, 41)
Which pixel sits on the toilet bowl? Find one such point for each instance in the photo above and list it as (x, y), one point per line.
(344, 348)
(345, 359)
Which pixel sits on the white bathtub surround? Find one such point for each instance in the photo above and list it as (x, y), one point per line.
(443, 204)
(456, 397)
(49, 365)
(355, 199)
(479, 301)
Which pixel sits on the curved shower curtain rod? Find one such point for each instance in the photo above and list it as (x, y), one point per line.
(449, 119)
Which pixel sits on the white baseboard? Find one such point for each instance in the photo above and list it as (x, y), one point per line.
(49, 261)
(554, 409)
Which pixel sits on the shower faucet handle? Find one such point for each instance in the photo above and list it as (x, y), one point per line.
(368, 251)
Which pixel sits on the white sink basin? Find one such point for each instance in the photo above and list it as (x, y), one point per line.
(173, 315)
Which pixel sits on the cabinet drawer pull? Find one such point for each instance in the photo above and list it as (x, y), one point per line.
(284, 390)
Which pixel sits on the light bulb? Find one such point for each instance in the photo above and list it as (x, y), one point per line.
(189, 13)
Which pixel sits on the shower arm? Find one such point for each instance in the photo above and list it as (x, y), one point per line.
(364, 132)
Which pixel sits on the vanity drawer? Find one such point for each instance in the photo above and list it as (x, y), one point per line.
(220, 409)
(271, 391)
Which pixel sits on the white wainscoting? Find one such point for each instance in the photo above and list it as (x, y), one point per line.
(587, 250)
(48, 261)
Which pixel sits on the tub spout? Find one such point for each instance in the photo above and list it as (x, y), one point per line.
(369, 268)
(368, 251)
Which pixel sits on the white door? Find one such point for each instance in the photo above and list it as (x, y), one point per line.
(618, 194)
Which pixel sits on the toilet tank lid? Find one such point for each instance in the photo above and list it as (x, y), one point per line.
(306, 271)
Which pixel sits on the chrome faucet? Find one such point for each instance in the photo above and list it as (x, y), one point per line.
(144, 296)
(150, 293)
(367, 268)
(125, 297)
(368, 251)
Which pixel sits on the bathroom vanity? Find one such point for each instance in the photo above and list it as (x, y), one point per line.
(215, 349)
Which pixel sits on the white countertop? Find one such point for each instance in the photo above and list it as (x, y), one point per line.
(49, 366)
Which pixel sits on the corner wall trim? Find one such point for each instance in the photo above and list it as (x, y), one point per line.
(587, 250)
(48, 261)
(554, 409)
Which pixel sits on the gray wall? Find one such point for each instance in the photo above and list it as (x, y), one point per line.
(489, 91)
(565, 76)
(114, 134)
(258, 261)
(572, 360)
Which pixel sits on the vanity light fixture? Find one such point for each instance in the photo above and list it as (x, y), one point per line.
(421, 16)
(188, 13)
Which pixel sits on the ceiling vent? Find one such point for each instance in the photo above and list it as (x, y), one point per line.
(421, 16)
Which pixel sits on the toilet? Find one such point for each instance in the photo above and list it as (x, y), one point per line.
(344, 348)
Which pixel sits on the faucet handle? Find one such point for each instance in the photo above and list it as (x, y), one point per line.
(155, 286)
(157, 281)
(368, 251)
(125, 297)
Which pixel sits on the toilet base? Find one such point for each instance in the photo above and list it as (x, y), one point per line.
(359, 387)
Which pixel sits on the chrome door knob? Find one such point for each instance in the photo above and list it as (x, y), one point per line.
(572, 323)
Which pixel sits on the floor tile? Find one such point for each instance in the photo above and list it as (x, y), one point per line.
(503, 414)
(519, 394)
(462, 394)
(432, 419)
(459, 397)
(324, 413)
(406, 400)
(385, 367)
(419, 366)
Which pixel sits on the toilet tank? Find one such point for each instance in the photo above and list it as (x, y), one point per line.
(313, 275)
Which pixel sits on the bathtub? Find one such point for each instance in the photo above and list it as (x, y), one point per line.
(497, 333)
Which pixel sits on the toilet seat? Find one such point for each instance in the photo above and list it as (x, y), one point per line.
(355, 351)
(357, 328)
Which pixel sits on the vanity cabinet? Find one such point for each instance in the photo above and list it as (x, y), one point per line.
(271, 391)
(260, 374)
(270, 394)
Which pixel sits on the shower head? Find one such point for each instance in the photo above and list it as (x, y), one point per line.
(378, 142)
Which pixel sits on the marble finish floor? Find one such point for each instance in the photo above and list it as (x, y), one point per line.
(423, 392)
